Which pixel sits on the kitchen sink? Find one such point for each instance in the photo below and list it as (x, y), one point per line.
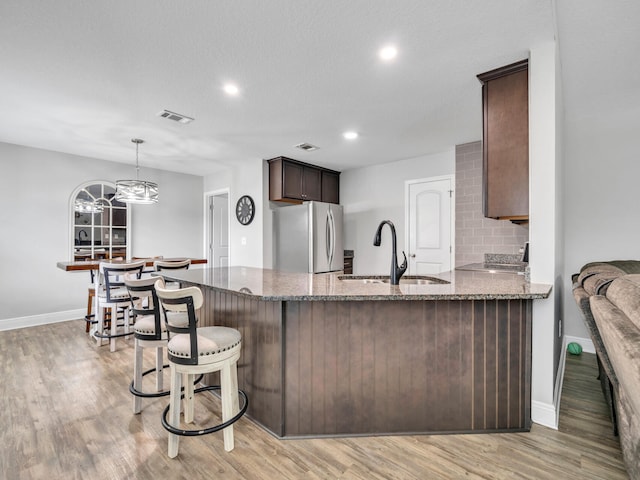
(361, 280)
(406, 280)
(419, 281)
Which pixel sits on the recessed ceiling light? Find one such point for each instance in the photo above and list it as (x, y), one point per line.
(350, 135)
(388, 53)
(231, 89)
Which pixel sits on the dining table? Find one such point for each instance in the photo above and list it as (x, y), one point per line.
(80, 265)
(92, 265)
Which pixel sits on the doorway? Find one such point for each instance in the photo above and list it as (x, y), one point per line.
(430, 208)
(217, 228)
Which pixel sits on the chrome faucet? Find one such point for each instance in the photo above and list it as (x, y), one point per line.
(396, 271)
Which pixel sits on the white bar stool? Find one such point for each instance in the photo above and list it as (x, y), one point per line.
(194, 351)
(112, 293)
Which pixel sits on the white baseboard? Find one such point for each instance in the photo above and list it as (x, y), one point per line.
(544, 414)
(43, 319)
(548, 414)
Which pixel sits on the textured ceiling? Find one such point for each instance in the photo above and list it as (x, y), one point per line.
(84, 77)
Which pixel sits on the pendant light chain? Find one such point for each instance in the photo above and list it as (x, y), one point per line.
(137, 141)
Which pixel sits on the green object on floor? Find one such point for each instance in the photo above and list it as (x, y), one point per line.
(574, 348)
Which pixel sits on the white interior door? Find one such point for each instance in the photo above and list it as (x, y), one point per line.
(430, 221)
(219, 230)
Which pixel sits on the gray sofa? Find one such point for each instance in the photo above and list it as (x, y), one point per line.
(608, 294)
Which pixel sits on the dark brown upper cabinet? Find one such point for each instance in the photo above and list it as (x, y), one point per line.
(330, 186)
(295, 182)
(505, 142)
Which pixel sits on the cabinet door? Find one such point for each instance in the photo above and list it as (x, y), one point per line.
(311, 184)
(506, 146)
(292, 175)
(330, 187)
(294, 182)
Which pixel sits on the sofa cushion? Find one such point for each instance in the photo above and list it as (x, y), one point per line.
(629, 429)
(624, 293)
(598, 283)
(595, 277)
(582, 299)
(621, 338)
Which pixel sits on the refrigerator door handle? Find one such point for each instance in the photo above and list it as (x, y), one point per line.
(327, 233)
(332, 248)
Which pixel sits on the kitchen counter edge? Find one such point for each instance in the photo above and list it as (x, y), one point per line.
(272, 285)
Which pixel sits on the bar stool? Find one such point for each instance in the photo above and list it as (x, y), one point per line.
(91, 293)
(149, 332)
(159, 265)
(112, 293)
(89, 318)
(149, 263)
(193, 351)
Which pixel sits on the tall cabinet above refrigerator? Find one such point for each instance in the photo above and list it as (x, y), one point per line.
(308, 238)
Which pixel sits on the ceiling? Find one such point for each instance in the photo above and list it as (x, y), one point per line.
(84, 77)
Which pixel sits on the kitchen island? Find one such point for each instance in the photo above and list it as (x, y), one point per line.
(323, 356)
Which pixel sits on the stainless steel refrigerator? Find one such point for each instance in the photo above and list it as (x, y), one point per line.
(308, 238)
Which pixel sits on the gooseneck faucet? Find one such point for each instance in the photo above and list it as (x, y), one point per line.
(396, 271)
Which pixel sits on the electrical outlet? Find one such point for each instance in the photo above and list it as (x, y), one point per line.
(559, 328)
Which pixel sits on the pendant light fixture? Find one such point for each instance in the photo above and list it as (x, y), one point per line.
(136, 191)
(87, 206)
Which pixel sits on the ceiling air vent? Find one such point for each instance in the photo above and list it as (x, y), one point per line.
(175, 116)
(307, 146)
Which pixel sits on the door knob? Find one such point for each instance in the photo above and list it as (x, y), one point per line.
(412, 255)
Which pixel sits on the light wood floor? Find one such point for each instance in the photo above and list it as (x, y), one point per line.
(66, 413)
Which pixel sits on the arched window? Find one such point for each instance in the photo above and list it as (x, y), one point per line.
(100, 225)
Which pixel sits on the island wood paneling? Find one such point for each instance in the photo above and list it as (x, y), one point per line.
(316, 368)
(260, 365)
(398, 367)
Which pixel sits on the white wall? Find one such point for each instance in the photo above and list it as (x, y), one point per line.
(246, 242)
(602, 189)
(544, 236)
(372, 194)
(35, 190)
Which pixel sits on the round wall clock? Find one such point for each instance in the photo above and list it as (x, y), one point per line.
(245, 210)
